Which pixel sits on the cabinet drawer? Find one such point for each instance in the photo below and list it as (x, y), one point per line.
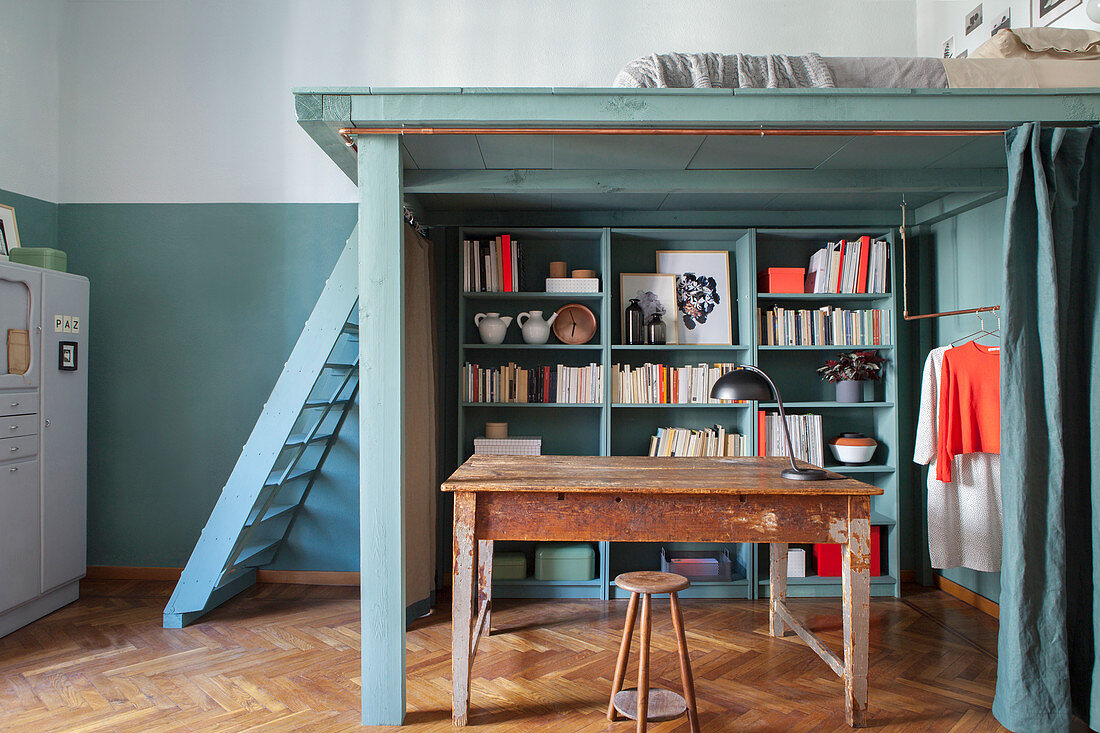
(20, 533)
(18, 403)
(16, 426)
(18, 449)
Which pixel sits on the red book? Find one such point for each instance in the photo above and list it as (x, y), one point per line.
(864, 259)
(760, 439)
(839, 274)
(506, 261)
(546, 385)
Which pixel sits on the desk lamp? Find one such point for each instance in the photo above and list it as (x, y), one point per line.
(749, 383)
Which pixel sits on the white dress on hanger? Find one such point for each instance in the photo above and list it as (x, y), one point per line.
(964, 515)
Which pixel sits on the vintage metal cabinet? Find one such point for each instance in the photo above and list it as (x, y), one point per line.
(43, 444)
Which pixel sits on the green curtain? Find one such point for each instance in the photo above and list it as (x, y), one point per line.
(1050, 395)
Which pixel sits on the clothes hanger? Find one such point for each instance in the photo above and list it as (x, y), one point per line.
(980, 332)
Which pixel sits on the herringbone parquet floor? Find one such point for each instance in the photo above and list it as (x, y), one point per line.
(285, 658)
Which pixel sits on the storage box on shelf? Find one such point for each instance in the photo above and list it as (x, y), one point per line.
(610, 427)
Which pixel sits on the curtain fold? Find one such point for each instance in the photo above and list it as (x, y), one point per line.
(1050, 395)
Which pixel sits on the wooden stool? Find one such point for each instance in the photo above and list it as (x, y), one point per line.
(644, 704)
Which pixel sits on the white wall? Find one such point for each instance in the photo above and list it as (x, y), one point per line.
(937, 20)
(179, 101)
(29, 116)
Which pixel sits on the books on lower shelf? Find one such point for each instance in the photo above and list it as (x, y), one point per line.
(546, 384)
(517, 446)
(825, 326)
(805, 436)
(658, 384)
(492, 265)
(856, 266)
(686, 442)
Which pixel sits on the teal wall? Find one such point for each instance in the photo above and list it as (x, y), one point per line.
(194, 310)
(35, 219)
(968, 272)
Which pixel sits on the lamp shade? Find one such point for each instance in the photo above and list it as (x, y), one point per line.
(742, 384)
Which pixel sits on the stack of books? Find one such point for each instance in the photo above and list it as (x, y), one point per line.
(825, 326)
(657, 384)
(848, 267)
(492, 265)
(714, 441)
(547, 384)
(805, 436)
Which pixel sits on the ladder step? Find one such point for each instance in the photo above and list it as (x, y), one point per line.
(339, 365)
(351, 328)
(323, 403)
(294, 475)
(274, 512)
(296, 441)
(256, 549)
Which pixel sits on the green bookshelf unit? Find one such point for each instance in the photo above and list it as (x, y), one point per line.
(607, 427)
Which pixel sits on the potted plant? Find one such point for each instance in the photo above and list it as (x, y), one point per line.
(849, 371)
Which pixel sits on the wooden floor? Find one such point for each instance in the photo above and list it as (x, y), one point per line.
(285, 658)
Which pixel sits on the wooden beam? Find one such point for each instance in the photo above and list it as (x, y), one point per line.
(953, 205)
(804, 633)
(616, 181)
(381, 431)
(885, 218)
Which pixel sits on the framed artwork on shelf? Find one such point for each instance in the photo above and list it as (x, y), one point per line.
(656, 293)
(1045, 12)
(9, 234)
(704, 312)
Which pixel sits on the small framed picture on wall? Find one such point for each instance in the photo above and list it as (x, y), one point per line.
(1045, 12)
(9, 235)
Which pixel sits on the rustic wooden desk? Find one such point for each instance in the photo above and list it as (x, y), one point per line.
(641, 499)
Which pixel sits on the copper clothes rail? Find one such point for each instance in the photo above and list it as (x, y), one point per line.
(905, 285)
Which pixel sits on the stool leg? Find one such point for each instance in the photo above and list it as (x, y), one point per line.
(624, 653)
(643, 668)
(685, 663)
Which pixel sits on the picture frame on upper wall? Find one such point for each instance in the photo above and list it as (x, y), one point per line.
(1045, 12)
(704, 310)
(1001, 21)
(9, 233)
(947, 48)
(974, 20)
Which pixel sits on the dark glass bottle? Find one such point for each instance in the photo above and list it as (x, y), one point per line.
(655, 330)
(634, 333)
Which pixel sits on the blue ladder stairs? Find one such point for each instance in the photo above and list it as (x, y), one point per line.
(283, 456)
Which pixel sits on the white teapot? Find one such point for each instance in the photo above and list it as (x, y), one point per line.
(534, 328)
(492, 327)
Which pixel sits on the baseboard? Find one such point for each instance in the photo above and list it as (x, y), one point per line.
(296, 577)
(968, 596)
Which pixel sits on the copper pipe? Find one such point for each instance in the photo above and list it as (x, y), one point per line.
(347, 132)
(962, 312)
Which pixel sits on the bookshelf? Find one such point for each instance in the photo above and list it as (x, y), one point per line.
(611, 428)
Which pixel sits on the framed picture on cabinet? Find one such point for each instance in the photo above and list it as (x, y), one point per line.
(656, 293)
(704, 311)
(9, 234)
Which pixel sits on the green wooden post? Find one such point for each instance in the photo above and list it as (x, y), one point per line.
(381, 431)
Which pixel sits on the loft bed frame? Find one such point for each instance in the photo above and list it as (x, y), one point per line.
(482, 157)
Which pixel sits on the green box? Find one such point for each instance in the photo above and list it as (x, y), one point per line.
(51, 259)
(509, 566)
(565, 561)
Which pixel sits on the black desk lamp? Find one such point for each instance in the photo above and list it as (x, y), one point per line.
(749, 383)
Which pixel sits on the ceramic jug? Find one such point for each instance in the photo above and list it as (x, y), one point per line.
(534, 328)
(492, 327)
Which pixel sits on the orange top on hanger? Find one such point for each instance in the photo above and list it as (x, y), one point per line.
(970, 404)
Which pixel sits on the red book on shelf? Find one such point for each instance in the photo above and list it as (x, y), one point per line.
(838, 276)
(760, 439)
(864, 259)
(506, 261)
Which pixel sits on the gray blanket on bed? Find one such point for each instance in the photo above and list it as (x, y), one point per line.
(705, 70)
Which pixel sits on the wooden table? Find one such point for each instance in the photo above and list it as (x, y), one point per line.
(641, 499)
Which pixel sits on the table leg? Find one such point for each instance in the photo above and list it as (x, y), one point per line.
(857, 602)
(777, 590)
(485, 581)
(462, 587)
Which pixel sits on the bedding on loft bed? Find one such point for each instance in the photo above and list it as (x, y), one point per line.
(1037, 58)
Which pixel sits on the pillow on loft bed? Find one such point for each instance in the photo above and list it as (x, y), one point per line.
(1041, 43)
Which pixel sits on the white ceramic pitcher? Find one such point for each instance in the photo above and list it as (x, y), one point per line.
(534, 328)
(492, 327)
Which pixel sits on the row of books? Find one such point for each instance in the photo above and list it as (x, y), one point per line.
(848, 267)
(825, 326)
(714, 441)
(546, 384)
(806, 438)
(492, 265)
(658, 384)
